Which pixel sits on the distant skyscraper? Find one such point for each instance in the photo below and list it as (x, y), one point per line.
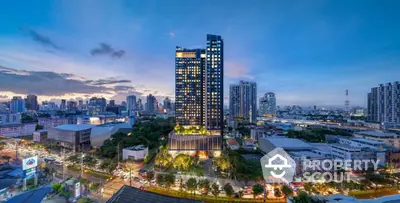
(63, 105)
(243, 101)
(31, 102)
(131, 103)
(97, 101)
(71, 106)
(151, 103)
(139, 105)
(167, 103)
(384, 103)
(112, 103)
(268, 104)
(17, 105)
(80, 103)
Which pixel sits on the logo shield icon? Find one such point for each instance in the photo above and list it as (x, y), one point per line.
(278, 166)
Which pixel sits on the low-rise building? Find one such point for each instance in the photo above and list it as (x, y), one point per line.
(233, 144)
(391, 139)
(136, 153)
(71, 136)
(40, 136)
(249, 144)
(100, 133)
(53, 122)
(10, 118)
(17, 129)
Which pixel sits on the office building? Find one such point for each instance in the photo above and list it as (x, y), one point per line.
(97, 101)
(139, 105)
(17, 105)
(151, 103)
(384, 103)
(390, 139)
(243, 101)
(167, 103)
(63, 105)
(131, 104)
(31, 102)
(268, 104)
(72, 106)
(198, 98)
(71, 136)
(112, 103)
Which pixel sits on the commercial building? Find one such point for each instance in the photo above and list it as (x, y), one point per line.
(131, 104)
(268, 104)
(384, 103)
(349, 152)
(17, 105)
(199, 97)
(135, 153)
(151, 103)
(63, 105)
(97, 101)
(243, 101)
(10, 118)
(71, 136)
(40, 136)
(31, 102)
(53, 122)
(391, 139)
(167, 104)
(17, 129)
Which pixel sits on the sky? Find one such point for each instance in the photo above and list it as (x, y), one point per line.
(308, 52)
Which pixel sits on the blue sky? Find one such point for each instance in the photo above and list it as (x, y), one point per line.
(307, 52)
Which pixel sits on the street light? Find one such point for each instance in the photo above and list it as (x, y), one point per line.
(82, 164)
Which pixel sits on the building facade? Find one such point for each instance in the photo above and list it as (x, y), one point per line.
(17, 105)
(31, 102)
(71, 136)
(131, 104)
(10, 118)
(243, 101)
(151, 103)
(384, 103)
(268, 104)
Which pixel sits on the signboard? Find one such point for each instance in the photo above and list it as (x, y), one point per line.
(30, 171)
(29, 163)
(77, 189)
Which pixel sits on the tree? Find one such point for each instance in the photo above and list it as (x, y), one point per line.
(181, 185)
(309, 187)
(149, 176)
(205, 186)
(38, 127)
(191, 184)
(228, 190)
(108, 165)
(183, 162)
(302, 197)
(286, 190)
(240, 193)
(215, 189)
(160, 179)
(56, 187)
(5, 157)
(277, 192)
(163, 159)
(169, 180)
(257, 190)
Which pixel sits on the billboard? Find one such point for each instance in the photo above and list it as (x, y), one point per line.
(77, 189)
(29, 163)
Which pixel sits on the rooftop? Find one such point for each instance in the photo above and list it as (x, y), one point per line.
(74, 127)
(377, 134)
(232, 142)
(288, 143)
(306, 154)
(136, 148)
(33, 196)
(127, 194)
(367, 141)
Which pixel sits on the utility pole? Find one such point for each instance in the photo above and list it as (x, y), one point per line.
(118, 155)
(82, 164)
(63, 160)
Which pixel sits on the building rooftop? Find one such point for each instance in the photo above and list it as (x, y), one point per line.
(127, 194)
(376, 134)
(33, 196)
(232, 142)
(119, 124)
(74, 127)
(367, 141)
(288, 143)
(136, 148)
(345, 146)
(306, 154)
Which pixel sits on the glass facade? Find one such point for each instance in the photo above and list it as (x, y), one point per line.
(194, 143)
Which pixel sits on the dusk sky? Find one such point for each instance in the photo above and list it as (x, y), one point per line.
(307, 52)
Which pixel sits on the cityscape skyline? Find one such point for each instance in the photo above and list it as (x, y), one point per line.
(360, 49)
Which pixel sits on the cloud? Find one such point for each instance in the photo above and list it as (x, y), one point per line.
(237, 70)
(39, 38)
(49, 83)
(109, 81)
(106, 49)
(171, 34)
(3, 96)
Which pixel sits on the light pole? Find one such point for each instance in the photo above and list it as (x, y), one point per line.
(82, 164)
